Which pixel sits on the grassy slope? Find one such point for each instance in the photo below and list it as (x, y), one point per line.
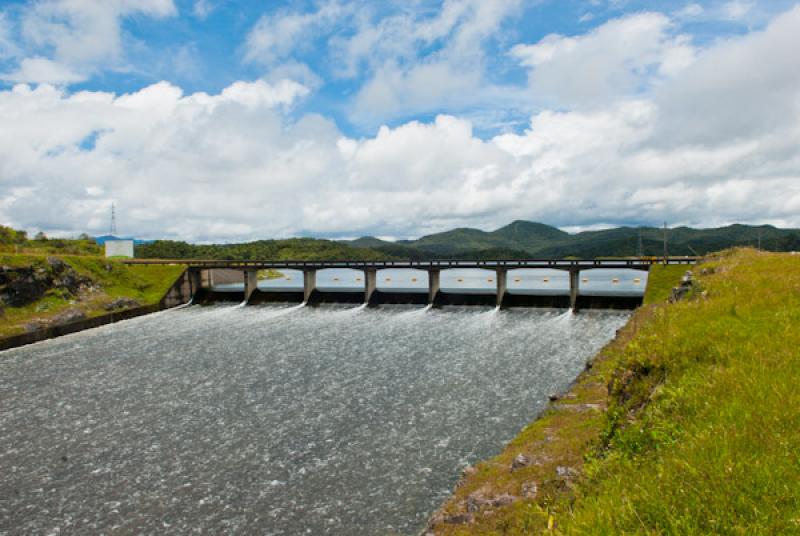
(660, 281)
(146, 284)
(700, 430)
(716, 449)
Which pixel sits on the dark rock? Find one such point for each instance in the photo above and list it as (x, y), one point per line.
(20, 286)
(530, 490)
(553, 397)
(67, 317)
(680, 292)
(503, 500)
(122, 303)
(520, 461)
(458, 519)
(56, 263)
(566, 472)
(30, 327)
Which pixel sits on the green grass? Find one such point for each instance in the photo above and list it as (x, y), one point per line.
(716, 449)
(700, 427)
(660, 281)
(146, 284)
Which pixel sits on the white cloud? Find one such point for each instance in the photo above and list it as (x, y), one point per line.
(416, 62)
(713, 142)
(737, 9)
(43, 70)
(277, 36)
(72, 38)
(616, 59)
(7, 46)
(202, 8)
(689, 11)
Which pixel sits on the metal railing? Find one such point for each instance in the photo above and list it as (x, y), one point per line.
(569, 264)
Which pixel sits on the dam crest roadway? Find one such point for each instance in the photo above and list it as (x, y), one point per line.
(229, 280)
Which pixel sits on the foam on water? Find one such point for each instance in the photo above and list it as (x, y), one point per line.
(273, 419)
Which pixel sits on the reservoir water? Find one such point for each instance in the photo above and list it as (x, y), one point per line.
(273, 419)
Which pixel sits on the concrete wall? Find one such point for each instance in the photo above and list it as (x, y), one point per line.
(119, 248)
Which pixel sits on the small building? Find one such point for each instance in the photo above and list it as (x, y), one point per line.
(121, 247)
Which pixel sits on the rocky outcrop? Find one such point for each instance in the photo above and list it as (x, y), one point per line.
(122, 303)
(22, 285)
(680, 292)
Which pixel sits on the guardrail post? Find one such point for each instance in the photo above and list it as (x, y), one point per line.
(309, 283)
(250, 283)
(574, 284)
(434, 284)
(502, 277)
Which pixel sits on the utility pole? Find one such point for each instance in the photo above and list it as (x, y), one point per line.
(759, 240)
(641, 247)
(666, 252)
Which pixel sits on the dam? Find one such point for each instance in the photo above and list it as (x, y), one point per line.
(613, 283)
(253, 414)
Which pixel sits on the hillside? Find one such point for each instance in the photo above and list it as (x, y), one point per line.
(687, 423)
(38, 291)
(522, 239)
(290, 249)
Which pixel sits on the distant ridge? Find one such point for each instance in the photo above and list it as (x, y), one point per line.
(522, 239)
(517, 240)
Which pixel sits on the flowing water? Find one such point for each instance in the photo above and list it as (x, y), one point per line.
(274, 419)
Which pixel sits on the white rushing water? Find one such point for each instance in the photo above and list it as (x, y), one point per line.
(273, 420)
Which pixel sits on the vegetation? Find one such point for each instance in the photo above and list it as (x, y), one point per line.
(688, 423)
(291, 249)
(522, 239)
(660, 281)
(107, 280)
(14, 241)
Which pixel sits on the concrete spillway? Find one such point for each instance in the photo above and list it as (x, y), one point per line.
(592, 288)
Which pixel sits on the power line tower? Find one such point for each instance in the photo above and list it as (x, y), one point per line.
(666, 251)
(113, 228)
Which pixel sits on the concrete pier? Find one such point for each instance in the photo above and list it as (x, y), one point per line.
(574, 286)
(434, 285)
(250, 283)
(502, 282)
(309, 284)
(370, 285)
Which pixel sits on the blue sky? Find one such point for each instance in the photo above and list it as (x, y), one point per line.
(391, 118)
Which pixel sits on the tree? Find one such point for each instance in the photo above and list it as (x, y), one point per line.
(40, 236)
(84, 236)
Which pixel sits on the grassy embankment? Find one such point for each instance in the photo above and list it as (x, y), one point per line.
(111, 279)
(687, 423)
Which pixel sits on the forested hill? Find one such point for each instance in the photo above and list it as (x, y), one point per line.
(290, 249)
(522, 239)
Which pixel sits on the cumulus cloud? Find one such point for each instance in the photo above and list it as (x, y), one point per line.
(416, 62)
(616, 59)
(275, 37)
(711, 142)
(65, 41)
(42, 70)
(412, 59)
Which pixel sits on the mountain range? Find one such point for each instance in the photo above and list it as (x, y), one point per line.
(525, 239)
